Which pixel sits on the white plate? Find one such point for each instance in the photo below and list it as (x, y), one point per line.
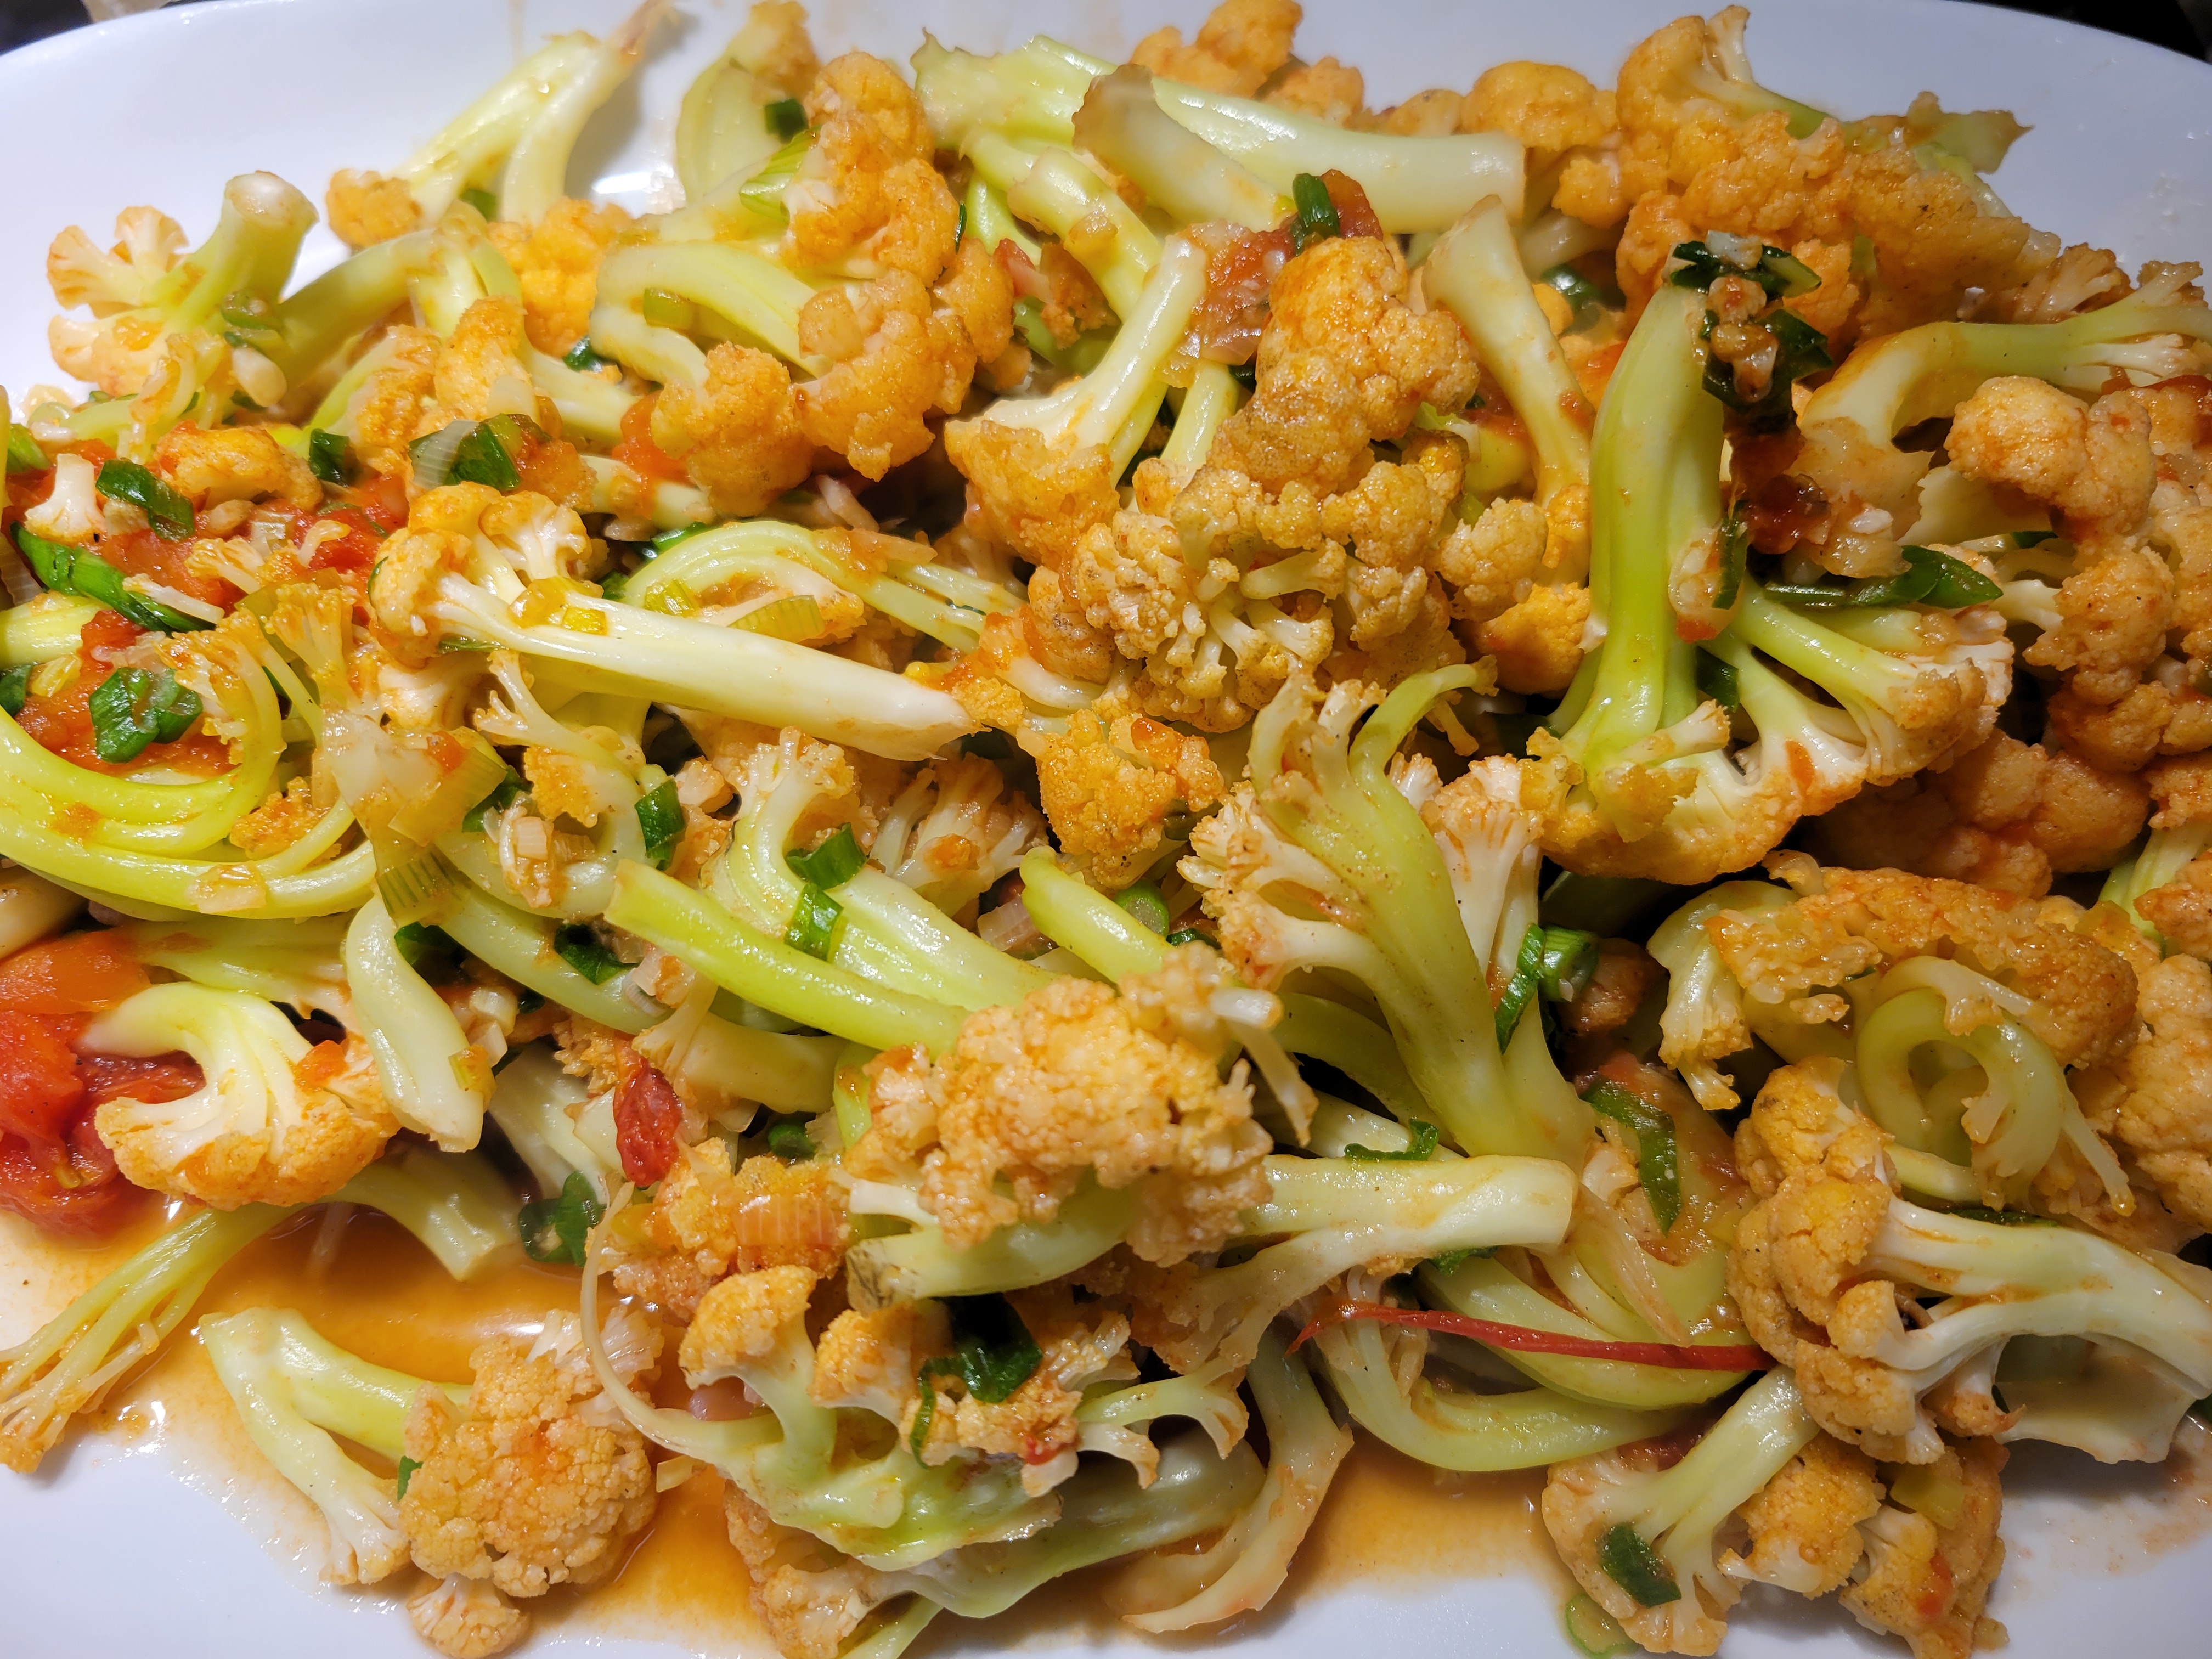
(109, 1551)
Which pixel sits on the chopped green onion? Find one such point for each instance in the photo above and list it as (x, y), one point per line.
(1801, 349)
(418, 940)
(529, 1002)
(481, 200)
(1528, 964)
(764, 192)
(665, 310)
(1585, 299)
(1931, 577)
(2020, 537)
(131, 708)
(993, 1354)
(510, 790)
(1718, 680)
(582, 949)
(581, 358)
(169, 512)
(414, 888)
(660, 819)
(1143, 900)
(1735, 554)
(555, 1229)
(486, 456)
(2001, 1217)
(1315, 219)
(16, 688)
(1451, 1259)
(615, 586)
(24, 454)
(832, 863)
(1631, 1562)
(330, 456)
(788, 1140)
(1192, 936)
(1658, 1159)
(1423, 1149)
(1570, 956)
(960, 225)
(432, 452)
(407, 1468)
(668, 538)
(1595, 1633)
(1778, 271)
(65, 569)
(813, 922)
(786, 119)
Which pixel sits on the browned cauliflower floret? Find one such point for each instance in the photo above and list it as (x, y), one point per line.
(234, 463)
(738, 435)
(1239, 46)
(706, 1221)
(1805, 1522)
(867, 197)
(2091, 465)
(1926, 1580)
(2083, 996)
(481, 358)
(538, 1480)
(1538, 643)
(1108, 784)
(1025, 491)
(2164, 1118)
(2008, 815)
(466, 1618)
(1078, 1079)
(557, 261)
(1343, 361)
(365, 208)
(275, 1121)
(898, 357)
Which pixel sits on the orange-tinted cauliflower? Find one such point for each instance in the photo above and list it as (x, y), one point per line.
(1108, 785)
(556, 262)
(234, 463)
(739, 435)
(1239, 46)
(1078, 1080)
(1928, 1576)
(707, 1221)
(867, 199)
(366, 208)
(2163, 1114)
(538, 1480)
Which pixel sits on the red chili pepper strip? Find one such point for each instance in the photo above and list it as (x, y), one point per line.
(1526, 1339)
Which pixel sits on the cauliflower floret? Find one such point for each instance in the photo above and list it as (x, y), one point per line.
(276, 1120)
(367, 208)
(119, 278)
(1491, 564)
(234, 463)
(1344, 361)
(1538, 643)
(1805, 1522)
(1329, 90)
(706, 1221)
(1239, 46)
(1928, 1582)
(2165, 1116)
(809, 1599)
(1035, 1424)
(738, 435)
(869, 1361)
(478, 371)
(2008, 815)
(464, 1618)
(742, 1317)
(2092, 465)
(557, 261)
(1109, 783)
(954, 830)
(538, 1480)
(1076, 1079)
(71, 513)
(1546, 107)
(2083, 995)
(867, 197)
(398, 399)
(897, 359)
(1028, 494)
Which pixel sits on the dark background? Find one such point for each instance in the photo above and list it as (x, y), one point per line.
(2185, 25)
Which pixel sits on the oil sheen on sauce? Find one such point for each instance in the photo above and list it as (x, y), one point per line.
(372, 1289)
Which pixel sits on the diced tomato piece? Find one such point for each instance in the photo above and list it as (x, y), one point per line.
(39, 1089)
(76, 974)
(63, 723)
(1355, 215)
(144, 553)
(647, 1119)
(637, 450)
(121, 1077)
(64, 1194)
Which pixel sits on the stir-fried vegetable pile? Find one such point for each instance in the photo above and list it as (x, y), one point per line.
(1109, 771)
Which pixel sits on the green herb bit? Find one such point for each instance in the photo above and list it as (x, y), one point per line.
(1528, 964)
(555, 1229)
(786, 119)
(832, 863)
(993, 1354)
(584, 950)
(1144, 901)
(581, 358)
(1451, 1259)
(330, 457)
(814, 921)
(660, 819)
(788, 1140)
(510, 790)
(407, 1468)
(1735, 555)
(64, 570)
(1315, 219)
(1779, 273)
(1570, 956)
(24, 454)
(419, 940)
(1595, 1633)
(1931, 577)
(1423, 1149)
(481, 200)
(1719, 681)
(132, 708)
(169, 512)
(2001, 1217)
(1631, 1562)
(1658, 1157)
(668, 538)
(1192, 936)
(487, 455)
(16, 688)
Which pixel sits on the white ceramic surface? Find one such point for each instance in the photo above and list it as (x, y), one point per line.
(114, 1550)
